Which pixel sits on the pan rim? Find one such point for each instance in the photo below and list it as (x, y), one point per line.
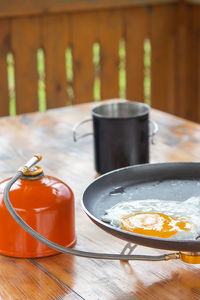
(105, 226)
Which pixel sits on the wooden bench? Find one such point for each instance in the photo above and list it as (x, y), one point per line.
(55, 26)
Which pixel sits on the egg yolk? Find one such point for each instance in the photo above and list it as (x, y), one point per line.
(155, 224)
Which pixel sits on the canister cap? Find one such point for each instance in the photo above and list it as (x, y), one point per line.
(33, 171)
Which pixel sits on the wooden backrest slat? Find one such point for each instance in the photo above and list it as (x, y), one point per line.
(25, 42)
(136, 31)
(187, 62)
(10, 8)
(163, 50)
(196, 12)
(172, 28)
(109, 35)
(83, 38)
(55, 38)
(4, 48)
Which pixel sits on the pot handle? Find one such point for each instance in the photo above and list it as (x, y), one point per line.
(76, 126)
(153, 131)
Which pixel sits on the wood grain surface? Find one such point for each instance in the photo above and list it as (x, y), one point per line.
(4, 48)
(25, 42)
(55, 39)
(60, 27)
(21, 7)
(137, 18)
(67, 277)
(110, 32)
(83, 28)
(163, 49)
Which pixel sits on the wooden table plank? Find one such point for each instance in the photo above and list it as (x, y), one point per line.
(67, 277)
(22, 279)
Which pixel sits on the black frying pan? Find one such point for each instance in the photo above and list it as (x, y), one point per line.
(166, 181)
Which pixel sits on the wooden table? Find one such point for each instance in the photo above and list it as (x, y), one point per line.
(67, 277)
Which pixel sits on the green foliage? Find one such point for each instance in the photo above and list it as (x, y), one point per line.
(41, 80)
(11, 84)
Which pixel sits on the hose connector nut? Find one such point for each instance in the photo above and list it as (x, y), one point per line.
(172, 256)
(23, 169)
(38, 155)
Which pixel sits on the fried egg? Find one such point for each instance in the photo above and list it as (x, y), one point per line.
(157, 218)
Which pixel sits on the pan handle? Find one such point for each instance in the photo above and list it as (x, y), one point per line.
(76, 126)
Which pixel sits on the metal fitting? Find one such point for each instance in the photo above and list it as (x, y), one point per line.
(38, 155)
(172, 256)
(23, 169)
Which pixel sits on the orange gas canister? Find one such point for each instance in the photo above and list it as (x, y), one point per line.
(47, 205)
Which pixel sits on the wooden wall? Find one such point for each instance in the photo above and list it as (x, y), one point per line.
(172, 27)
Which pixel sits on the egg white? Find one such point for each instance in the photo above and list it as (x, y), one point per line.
(189, 209)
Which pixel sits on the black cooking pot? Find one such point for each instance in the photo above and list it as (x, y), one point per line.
(121, 132)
